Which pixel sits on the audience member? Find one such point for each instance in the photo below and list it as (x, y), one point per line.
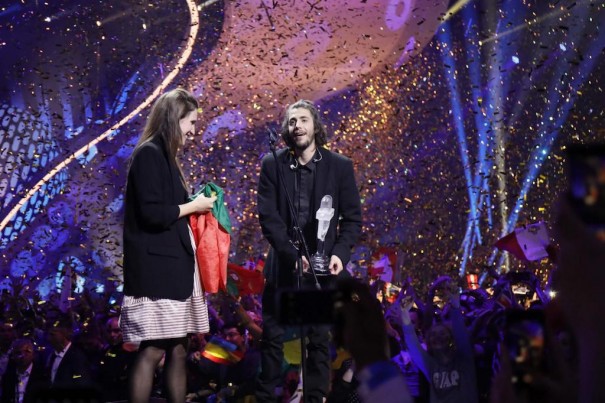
(448, 362)
(7, 336)
(235, 380)
(24, 376)
(362, 332)
(115, 363)
(68, 366)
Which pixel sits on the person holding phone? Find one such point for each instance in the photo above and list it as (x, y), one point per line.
(578, 278)
(163, 297)
(310, 172)
(362, 331)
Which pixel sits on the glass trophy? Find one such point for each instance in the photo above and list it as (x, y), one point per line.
(319, 260)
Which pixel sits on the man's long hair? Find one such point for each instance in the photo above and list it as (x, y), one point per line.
(163, 122)
(321, 136)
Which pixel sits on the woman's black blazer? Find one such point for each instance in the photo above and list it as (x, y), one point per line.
(158, 256)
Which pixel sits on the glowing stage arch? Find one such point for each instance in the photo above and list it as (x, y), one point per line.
(188, 48)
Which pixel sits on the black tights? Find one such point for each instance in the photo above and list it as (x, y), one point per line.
(143, 371)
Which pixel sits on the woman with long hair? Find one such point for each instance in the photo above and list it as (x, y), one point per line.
(163, 297)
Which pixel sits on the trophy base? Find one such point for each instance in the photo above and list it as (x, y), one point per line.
(318, 273)
(319, 262)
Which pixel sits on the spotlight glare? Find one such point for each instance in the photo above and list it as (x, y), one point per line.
(515, 59)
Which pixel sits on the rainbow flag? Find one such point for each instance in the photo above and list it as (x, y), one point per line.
(221, 351)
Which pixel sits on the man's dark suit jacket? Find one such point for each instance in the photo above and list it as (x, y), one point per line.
(334, 176)
(37, 381)
(73, 371)
(158, 256)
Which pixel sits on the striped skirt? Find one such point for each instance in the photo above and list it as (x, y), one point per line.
(145, 318)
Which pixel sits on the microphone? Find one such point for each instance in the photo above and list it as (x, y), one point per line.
(272, 137)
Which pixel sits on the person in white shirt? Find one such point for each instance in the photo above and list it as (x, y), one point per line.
(24, 377)
(67, 364)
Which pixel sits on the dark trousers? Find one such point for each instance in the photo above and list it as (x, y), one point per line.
(272, 355)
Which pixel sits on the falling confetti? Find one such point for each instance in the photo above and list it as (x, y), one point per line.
(456, 126)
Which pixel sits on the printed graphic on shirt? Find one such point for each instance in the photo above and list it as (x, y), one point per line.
(445, 381)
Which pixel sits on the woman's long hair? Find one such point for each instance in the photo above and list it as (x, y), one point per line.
(163, 122)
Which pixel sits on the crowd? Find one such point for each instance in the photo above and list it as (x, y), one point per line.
(451, 345)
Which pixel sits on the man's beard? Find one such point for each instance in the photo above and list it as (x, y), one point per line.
(302, 146)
